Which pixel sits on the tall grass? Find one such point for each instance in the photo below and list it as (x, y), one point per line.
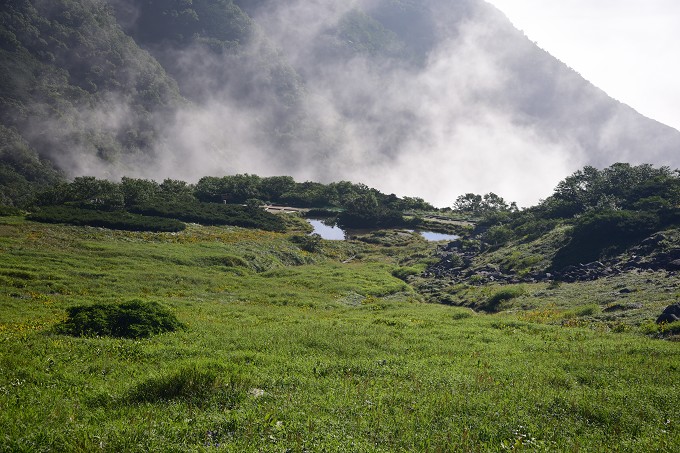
(329, 356)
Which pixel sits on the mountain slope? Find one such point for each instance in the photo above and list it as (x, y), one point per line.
(432, 98)
(474, 102)
(79, 91)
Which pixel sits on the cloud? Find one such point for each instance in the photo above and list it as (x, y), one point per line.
(482, 111)
(434, 131)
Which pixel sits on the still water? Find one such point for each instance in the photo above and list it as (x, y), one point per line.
(335, 233)
(432, 236)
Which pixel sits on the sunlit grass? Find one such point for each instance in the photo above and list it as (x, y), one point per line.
(287, 350)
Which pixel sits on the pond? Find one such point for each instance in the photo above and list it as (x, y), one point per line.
(335, 233)
(332, 232)
(433, 236)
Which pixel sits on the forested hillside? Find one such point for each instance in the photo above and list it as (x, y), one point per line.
(76, 92)
(433, 98)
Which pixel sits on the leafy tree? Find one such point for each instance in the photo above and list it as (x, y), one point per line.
(176, 191)
(470, 203)
(139, 191)
(309, 194)
(272, 188)
(364, 211)
(345, 191)
(415, 203)
(210, 189)
(239, 188)
(619, 186)
(478, 204)
(97, 193)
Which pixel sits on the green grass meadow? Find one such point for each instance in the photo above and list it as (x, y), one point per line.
(287, 350)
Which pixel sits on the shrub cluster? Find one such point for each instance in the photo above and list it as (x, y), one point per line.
(116, 220)
(214, 214)
(135, 319)
(403, 273)
(492, 304)
(307, 242)
(9, 211)
(599, 232)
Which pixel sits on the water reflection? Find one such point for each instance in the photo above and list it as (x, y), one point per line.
(432, 236)
(330, 232)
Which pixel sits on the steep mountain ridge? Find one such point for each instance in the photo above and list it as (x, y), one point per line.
(431, 98)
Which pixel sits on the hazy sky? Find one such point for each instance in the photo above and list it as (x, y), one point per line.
(628, 48)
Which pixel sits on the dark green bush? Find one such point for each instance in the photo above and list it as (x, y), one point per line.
(135, 319)
(318, 213)
(197, 384)
(213, 214)
(403, 273)
(492, 304)
(380, 218)
(530, 227)
(308, 242)
(119, 220)
(600, 231)
(498, 235)
(9, 211)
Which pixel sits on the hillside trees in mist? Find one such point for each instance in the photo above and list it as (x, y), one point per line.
(219, 24)
(22, 171)
(431, 97)
(214, 51)
(75, 89)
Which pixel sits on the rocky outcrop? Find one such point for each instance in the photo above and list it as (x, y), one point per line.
(456, 263)
(670, 314)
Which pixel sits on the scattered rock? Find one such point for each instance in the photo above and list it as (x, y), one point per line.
(652, 254)
(670, 314)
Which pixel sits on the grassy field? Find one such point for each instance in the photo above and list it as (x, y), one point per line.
(289, 350)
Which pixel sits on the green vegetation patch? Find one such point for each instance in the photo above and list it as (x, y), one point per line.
(136, 319)
(334, 355)
(117, 220)
(604, 232)
(493, 303)
(214, 214)
(195, 384)
(9, 211)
